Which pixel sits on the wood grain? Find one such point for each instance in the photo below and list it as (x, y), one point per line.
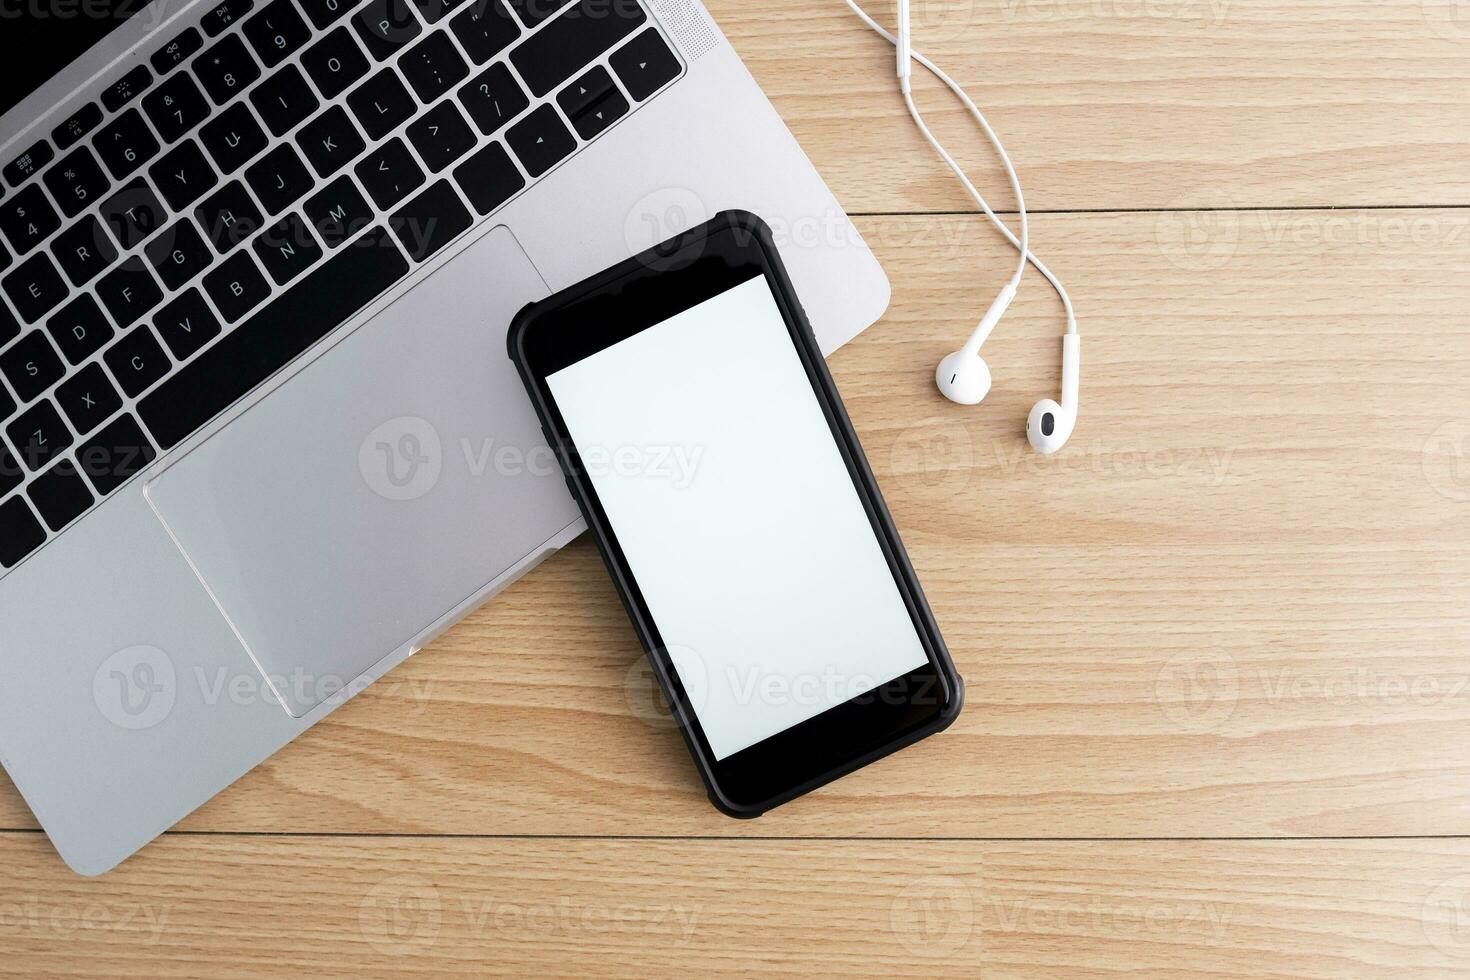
(230, 906)
(1130, 104)
(1233, 606)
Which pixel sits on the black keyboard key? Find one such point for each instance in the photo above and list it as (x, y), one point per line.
(60, 495)
(115, 455)
(338, 212)
(571, 40)
(12, 474)
(79, 328)
(236, 287)
(39, 435)
(28, 219)
(433, 67)
(590, 87)
(494, 98)
(287, 249)
(540, 141)
(125, 89)
(20, 532)
(485, 30)
(176, 107)
(31, 366)
(88, 398)
(129, 291)
(125, 144)
(182, 175)
(600, 115)
(335, 62)
(489, 178)
(277, 32)
(330, 141)
(386, 25)
(233, 138)
(324, 13)
(133, 213)
(389, 174)
(4, 258)
(645, 64)
(77, 125)
(441, 136)
(228, 216)
(434, 11)
(430, 221)
(28, 164)
(381, 104)
(179, 254)
(176, 52)
(9, 330)
(226, 69)
(284, 99)
(304, 314)
(220, 18)
(137, 361)
(533, 12)
(278, 179)
(76, 182)
(84, 250)
(186, 324)
(7, 408)
(35, 287)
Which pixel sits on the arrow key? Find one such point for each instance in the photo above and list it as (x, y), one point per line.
(541, 140)
(601, 114)
(645, 64)
(590, 88)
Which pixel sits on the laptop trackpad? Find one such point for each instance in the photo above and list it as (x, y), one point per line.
(380, 488)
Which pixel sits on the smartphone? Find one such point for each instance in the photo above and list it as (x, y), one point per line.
(693, 416)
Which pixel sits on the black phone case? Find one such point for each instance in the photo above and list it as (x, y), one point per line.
(791, 308)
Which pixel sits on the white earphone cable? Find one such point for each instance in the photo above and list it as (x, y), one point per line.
(1022, 244)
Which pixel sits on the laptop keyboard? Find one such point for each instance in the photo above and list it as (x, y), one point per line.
(256, 183)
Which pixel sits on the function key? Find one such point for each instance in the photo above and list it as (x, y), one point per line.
(276, 32)
(76, 182)
(25, 166)
(27, 219)
(645, 64)
(117, 95)
(226, 69)
(220, 18)
(77, 125)
(324, 13)
(176, 52)
(386, 26)
(284, 99)
(125, 144)
(176, 107)
(20, 532)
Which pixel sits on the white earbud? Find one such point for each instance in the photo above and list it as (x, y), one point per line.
(964, 376)
(1050, 425)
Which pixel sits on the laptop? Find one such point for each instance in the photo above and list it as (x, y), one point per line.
(259, 437)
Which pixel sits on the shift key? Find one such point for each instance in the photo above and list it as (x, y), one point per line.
(273, 336)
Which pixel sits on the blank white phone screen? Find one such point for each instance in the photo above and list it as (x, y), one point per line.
(731, 500)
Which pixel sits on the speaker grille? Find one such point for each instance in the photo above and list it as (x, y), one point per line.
(689, 25)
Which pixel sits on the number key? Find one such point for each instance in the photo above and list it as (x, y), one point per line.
(125, 144)
(324, 13)
(176, 107)
(27, 219)
(226, 69)
(76, 181)
(276, 32)
(335, 62)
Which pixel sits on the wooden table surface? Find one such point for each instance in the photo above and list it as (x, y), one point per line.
(1217, 651)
